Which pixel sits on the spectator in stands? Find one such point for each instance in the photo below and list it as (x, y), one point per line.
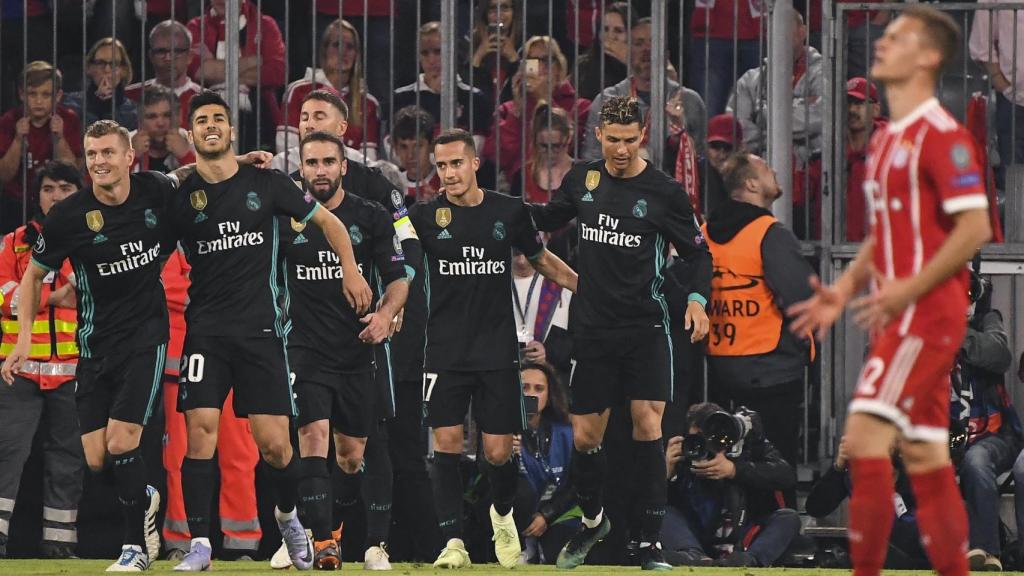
(342, 71)
(542, 76)
(473, 112)
(992, 44)
(724, 508)
(44, 390)
(46, 135)
(541, 310)
(550, 153)
(170, 51)
(694, 116)
(864, 27)
(711, 27)
(411, 151)
(260, 65)
(863, 117)
(109, 70)
(544, 493)
(605, 63)
(160, 143)
(322, 110)
(373, 18)
(497, 32)
(725, 136)
(993, 428)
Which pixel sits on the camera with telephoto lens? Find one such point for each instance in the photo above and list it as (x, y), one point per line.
(721, 432)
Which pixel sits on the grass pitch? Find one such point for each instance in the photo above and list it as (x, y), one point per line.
(74, 567)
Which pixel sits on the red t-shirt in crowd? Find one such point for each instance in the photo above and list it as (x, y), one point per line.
(40, 145)
(354, 8)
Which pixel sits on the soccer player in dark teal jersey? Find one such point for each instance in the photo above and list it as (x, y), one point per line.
(627, 212)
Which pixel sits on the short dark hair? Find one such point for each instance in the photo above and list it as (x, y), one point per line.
(456, 135)
(329, 97)
(321, 136)
(206, 98)
(941, 31)
(621, 110)
(155, 93)
(101, 128)
(58, 170)
(411, 123)
(736, 170)
(698, 413)
(38, 73)
(558, 403)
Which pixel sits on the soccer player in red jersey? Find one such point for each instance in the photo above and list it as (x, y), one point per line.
(928, 217)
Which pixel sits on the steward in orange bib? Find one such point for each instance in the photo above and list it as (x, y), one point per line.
(758, 271)
(46, 383)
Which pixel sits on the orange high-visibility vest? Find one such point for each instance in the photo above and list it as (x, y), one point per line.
(53, 355)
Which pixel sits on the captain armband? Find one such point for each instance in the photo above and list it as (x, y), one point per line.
(404, 229)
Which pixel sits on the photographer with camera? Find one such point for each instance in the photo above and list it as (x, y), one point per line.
(725, 489)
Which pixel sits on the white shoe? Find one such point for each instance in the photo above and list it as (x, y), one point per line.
(132, 559)
(454, 555)
(506, 539)
(149, 527)
(281, 560)
(376, 558)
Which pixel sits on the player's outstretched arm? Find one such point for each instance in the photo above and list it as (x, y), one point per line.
(357, 291)
(819, 312)
(553, 268)
(28, 306)
(378, 324)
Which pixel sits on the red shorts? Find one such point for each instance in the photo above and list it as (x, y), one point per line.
(905, 380)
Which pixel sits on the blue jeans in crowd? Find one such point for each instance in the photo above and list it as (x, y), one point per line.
(984, 461)
(721, 76)
(777, 532)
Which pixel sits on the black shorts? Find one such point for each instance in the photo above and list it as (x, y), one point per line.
(497, 397)
(256, 368)
(121, 387)
(384, 384)
(607, 371)
(344, 399)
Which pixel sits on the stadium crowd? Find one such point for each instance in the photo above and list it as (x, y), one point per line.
(537, 107)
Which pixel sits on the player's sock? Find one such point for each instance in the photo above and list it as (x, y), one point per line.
(197, 482)
(503, 479)
(871, 514)
(377, 491)
(315, 497)
(286, 483)
(346, 494)
(447, 484)
(588, 471)
(942, 519)
(651, 486)
(130, 483)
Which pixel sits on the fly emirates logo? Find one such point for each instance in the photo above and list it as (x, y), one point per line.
(607, 233)
(328, 268)
(472, 263)
(136, 255)
(231, 237)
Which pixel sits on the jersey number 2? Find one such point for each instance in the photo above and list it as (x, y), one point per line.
(192, 366)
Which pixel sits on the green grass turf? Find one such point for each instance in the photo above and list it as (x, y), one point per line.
(74, 567)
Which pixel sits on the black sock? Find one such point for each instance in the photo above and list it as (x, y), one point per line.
(346, 495)
(315, 497)
(377, 489)
(503, 481)
(286, 483)
(130, 482)
(650, 482)
(447, 483)
(588, 471)
(197, 482)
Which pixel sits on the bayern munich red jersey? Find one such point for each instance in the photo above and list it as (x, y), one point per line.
(921, 171)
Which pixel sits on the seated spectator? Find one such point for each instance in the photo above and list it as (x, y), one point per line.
(160, 143)
(260, 65)
(604, 64)
(693, 120)
(540, 83)
(549, 159)
(544, 494)
(170, 50)
(109, 70)
(411, 151)
(43, 392)
(724, 508)
(712, 29)
(863, 117)
(497, 32)
(48, 136)
(993, 428)
(473, 112)
(725, 136)
(341, 58)
(322, 110)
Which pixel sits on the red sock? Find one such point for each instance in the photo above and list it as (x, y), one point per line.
(871, 514)
(942, 520)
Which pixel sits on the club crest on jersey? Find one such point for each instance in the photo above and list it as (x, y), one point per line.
(298, 226)
(396, 199)
(150, 218)
(198, 200)
(443, 217)
(252, 201)
(94, 220)
(901, 155)
(640, 208)
(593, 179)
(356, 235)
(499, 230)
